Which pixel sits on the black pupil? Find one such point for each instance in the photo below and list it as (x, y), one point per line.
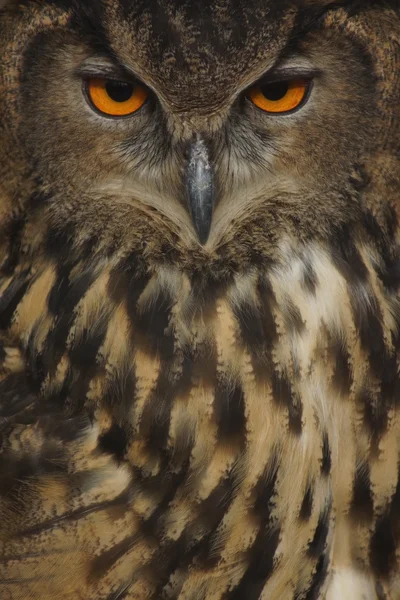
(119, 91)
(275, 91)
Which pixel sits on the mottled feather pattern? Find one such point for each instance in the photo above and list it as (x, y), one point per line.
(200, 423)
(172, 417)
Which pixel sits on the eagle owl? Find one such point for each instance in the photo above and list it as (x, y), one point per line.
(199, 300)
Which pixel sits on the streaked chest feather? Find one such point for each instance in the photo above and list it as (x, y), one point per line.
(233, 439)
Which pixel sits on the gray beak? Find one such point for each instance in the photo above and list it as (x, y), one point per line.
(200, 189)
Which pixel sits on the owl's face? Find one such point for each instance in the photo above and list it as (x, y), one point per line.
(204, 114)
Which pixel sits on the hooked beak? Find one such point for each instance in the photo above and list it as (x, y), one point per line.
(200, 189)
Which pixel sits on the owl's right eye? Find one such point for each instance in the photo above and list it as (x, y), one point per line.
(115, 98)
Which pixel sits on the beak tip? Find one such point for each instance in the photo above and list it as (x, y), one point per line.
(203, 235)
(202, 217)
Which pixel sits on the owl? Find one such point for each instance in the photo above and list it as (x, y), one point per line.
(199, 300)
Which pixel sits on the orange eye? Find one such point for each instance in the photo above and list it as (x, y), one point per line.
(116, 98)
(280, 97)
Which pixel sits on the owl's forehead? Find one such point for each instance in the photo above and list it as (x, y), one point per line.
(197, 51)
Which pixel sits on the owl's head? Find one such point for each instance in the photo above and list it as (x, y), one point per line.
(213, 121)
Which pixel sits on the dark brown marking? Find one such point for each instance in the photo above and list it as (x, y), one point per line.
(59, 290)
(156, 418)
(283, 395)
(153, 323)
(229, 410)
(375, 415)
(318, 578)
(83, 353)
(15, 396)
(211, 513)
(14, 231)
(267, 303)
(281, 389)
(326, 456)
(265, 490)
(63, 300)
(62, 242)
(295, 415)
(389, 272)
(251, 324)
(114, 442)
(261, 566)
(120, 391)
(105, 561)
(11, 297)
(309, 280)
(292, 317)
(261, 555)
(261, 346)
(383, 547)
(346, 256)
(75, 515)
(386, 537)
(202, 299)
(169, 556)
(342, 375)
(185, 552)
(362, 507)
(127, 282)
(59, 243)
(318, 543)
(306, 506)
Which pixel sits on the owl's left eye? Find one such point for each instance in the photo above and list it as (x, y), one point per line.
(116, 98)
(280, 97)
